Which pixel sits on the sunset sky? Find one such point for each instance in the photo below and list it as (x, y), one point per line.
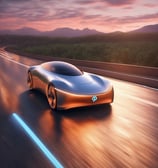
(102, 15)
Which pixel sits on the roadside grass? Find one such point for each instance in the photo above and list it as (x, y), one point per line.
(96, 48)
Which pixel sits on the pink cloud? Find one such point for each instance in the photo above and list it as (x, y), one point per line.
(103, 15)
(151, 5)
(109, 2)
(119, 2)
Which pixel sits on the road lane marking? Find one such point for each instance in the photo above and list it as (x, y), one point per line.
(26, 66)
(129, 83)
(140, 99)
(148, 87)
(129, 75)
(37, 141)
(5, 54)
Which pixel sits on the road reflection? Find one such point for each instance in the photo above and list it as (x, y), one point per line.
(12, 83)
(107, 130)
(34, 106)
(18, 58)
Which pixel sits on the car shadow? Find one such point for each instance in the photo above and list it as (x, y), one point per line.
(34, 103)
(83, 114)
(34, 108)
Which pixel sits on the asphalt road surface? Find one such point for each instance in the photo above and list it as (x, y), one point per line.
(123, 135)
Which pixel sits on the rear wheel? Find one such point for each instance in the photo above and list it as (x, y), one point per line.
(51, 96)
(29, 80)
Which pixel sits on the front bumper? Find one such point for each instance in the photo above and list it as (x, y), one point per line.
(67, 100)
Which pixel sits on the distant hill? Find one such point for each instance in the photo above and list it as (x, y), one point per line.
(27, 31)
(22, 31)
(69, 32)
(147, 29)
(60, 32)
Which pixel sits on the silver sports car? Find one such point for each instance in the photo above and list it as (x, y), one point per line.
(67, 87)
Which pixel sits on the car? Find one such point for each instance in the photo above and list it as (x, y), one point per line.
(66, 86)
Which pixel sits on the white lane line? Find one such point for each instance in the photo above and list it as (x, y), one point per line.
(37, 141)
(6, 54)
(148, 87)
(140, 99)
(26, 66)
(136, 84)
(130, 75)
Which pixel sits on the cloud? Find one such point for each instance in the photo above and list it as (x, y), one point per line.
(126, 23)
(37, 10)
(75, 13)
(62, 13)
(83, 2)
(29, 10)
(151, 5)
(120, 20)
(134, 19)
(119, 2)
(109, 2)
(91, 17)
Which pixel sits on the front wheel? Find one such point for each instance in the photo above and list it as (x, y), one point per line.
(51, 96)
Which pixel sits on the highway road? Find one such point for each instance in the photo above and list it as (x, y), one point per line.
(123, 135)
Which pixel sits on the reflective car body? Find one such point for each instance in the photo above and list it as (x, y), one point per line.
(68, 87)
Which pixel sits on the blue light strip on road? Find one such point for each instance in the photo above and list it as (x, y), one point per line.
(38, 142)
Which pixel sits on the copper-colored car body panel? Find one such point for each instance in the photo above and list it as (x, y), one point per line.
(70, 100)
(72, 90)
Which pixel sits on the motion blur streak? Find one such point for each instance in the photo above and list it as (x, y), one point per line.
(14, 61)
(37, 141)
(141, 100)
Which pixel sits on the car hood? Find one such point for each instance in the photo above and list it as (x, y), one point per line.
(87, 83)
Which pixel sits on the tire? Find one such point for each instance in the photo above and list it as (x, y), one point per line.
(112, 95)
(51, 96)
(29, 80)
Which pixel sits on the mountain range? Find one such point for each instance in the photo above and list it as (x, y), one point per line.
(68, 32)
(147, 29)
(59, 32)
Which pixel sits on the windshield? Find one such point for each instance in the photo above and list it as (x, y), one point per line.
(62, 68)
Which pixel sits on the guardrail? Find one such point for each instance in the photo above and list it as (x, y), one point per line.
(138, 74)
(147, 76)
(122, 68)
